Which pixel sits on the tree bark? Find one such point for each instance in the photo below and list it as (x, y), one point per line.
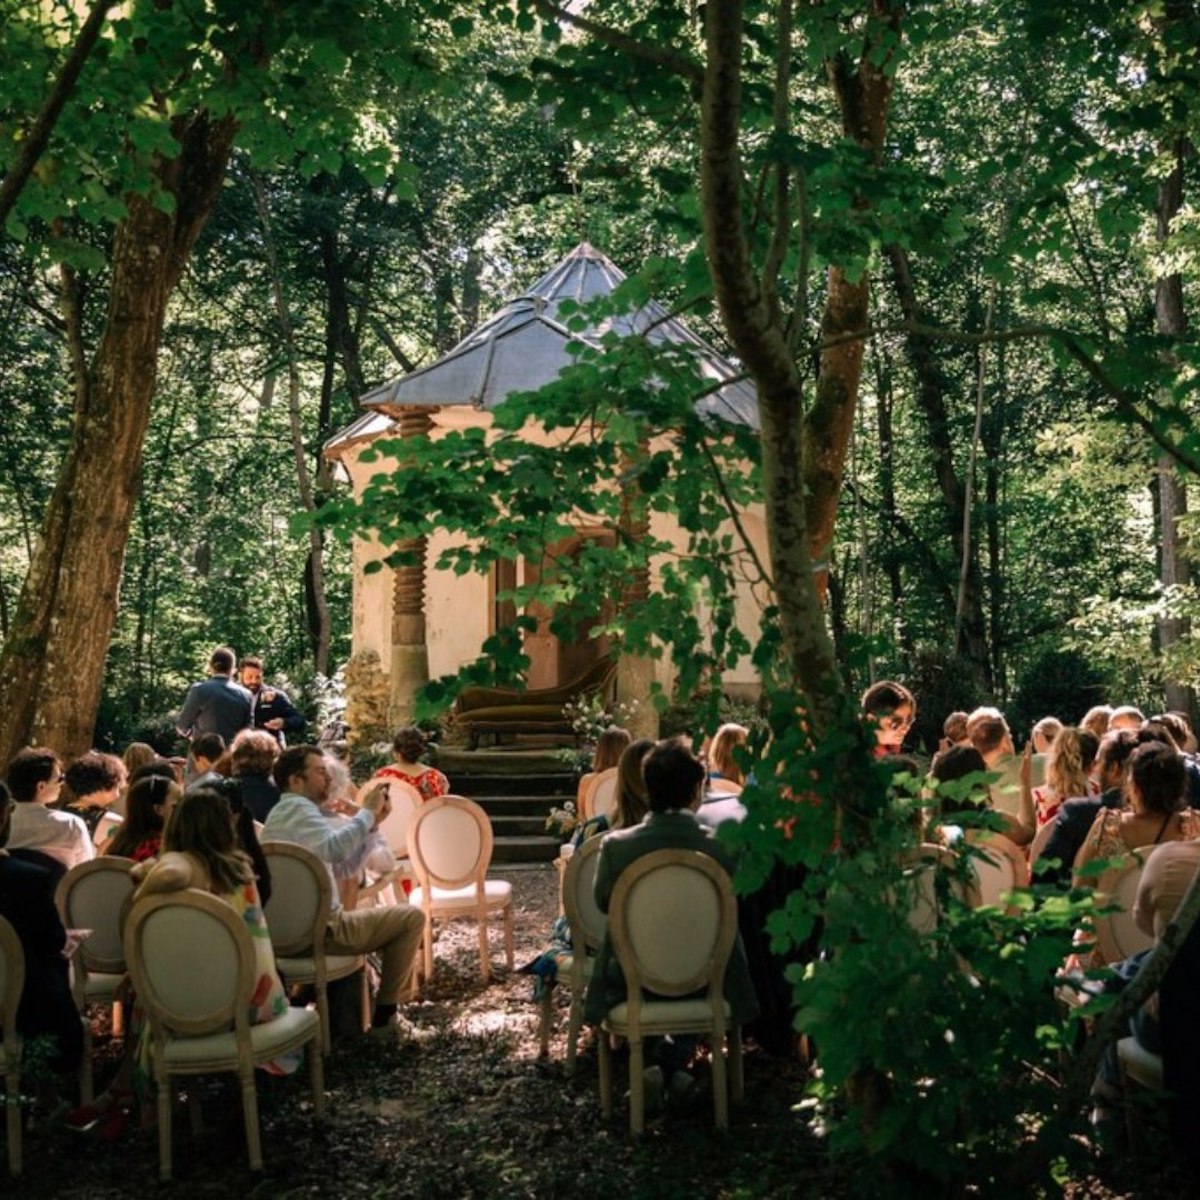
(52, 665)
(751, 318)
(863, 91)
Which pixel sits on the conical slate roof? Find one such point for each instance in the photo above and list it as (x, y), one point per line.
(524, 346)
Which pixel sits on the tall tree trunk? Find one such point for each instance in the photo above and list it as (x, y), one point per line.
(863, 91)
(1171, 319)
(52, 665)
(931, 398)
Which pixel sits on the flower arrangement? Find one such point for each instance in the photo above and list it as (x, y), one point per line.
(589, 718)
(562, 821)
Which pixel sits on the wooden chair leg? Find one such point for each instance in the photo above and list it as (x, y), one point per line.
(87, 1083)
(250, 1115)
(509, 945)
(365, 992)
(545, 1019)
(637, 1087)
(737, 1082)
(118, 1018)
(322, 989)
(605, 1064)
(164, 1126)
(427, 948)
(719, 1086)
(485, 965)
(316, 1074)
(574, 1025)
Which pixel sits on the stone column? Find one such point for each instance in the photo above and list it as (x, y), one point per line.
(410, 654)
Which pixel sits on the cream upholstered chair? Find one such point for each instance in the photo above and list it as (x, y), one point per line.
(672, 923)
(599, 795)
(450, 840)
(12, 982)
(406, 799)
(298, 916)
(192, 961)
(94, 895)
(999, 866)
(1117, 936)
(587, 924)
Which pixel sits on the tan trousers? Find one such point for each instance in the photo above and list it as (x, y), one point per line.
(394, 932)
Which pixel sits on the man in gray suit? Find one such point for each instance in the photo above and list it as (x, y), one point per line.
(674, 785)
(218, 705)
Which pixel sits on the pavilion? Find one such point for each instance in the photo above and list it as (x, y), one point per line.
(412, 621)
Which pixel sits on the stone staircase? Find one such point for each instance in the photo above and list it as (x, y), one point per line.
(517, 789)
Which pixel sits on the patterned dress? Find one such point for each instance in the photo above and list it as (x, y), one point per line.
(431, 783)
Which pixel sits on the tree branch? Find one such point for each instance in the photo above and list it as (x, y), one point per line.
(647, 52)
(39, 135)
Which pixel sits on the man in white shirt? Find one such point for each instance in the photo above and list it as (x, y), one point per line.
(35, 778)
(394, 932)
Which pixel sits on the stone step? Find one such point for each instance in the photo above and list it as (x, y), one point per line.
(525, 849)
(466, 783)
(529, 825)
(520, 806)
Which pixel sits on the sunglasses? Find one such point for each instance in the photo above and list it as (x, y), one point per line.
(895, 724)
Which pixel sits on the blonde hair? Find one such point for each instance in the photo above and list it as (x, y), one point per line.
(610, 745)
(1047, 727)
(721, 752)
(1065, 775)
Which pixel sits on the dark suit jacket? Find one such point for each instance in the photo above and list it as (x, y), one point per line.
(270, 703)
(1075, 818)
(27, 904)
(659, 831)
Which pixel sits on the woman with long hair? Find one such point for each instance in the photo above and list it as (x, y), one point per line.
(148, 806)
(1068, 766)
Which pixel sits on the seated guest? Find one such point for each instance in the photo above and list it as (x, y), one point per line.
(960, 762)
(207, 751)
(1043, 734)
(1070, 827)
(1156, 789)
(954, 731)
(394, 931)
(35, 780)
(254, 754)
(1126, 717)
(46, 1008)
(890, 708)
(93, 784)
(1165, 881)
(1096, 719)
(1067, 772)
(674, 786)
(631, 795)
(407, 748)
(723, 766)
(990, 735)
(148, 808)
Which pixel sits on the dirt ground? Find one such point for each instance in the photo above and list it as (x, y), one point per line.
(462, 1106)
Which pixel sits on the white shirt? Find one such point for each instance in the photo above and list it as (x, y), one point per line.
(297, 819)
(60, 835)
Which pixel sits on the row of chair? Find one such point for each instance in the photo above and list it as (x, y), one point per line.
(447, 844)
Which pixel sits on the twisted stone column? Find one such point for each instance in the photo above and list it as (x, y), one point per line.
(410, 654)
